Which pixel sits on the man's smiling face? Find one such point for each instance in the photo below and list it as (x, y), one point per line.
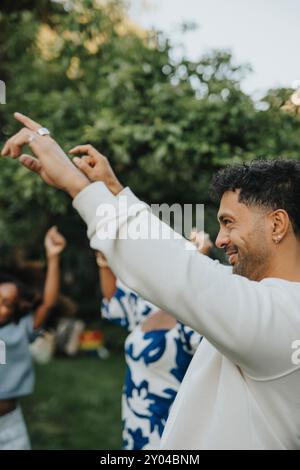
(244, 236)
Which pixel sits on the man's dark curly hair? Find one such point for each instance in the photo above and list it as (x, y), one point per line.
(273, 184)
(28, 300)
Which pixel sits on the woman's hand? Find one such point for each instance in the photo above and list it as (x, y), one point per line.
(55, 243)
(101, 260)
(202, 241)
(51, 163)
(96, 167)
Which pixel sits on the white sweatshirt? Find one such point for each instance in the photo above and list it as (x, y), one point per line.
(242, 389)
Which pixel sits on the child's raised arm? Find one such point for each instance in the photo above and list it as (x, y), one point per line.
(54, 245)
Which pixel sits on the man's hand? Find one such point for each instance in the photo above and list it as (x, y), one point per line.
(96, 167)
(51, 163)
(54, 243)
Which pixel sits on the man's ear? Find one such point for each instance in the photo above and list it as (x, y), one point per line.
(280, 224)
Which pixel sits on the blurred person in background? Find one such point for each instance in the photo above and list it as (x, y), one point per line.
(21, 316)
(158, 351)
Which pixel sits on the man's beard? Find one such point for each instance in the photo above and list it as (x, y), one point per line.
(253, 265)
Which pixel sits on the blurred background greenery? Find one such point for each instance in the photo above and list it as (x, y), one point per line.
(86, 72)
(76, 404)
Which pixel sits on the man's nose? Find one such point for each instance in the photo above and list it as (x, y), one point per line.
(222, 239)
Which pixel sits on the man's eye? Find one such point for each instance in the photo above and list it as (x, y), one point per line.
(226, 222)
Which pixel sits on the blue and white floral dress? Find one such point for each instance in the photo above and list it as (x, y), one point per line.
(156, 364)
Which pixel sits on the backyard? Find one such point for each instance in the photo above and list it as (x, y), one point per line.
(76, 404)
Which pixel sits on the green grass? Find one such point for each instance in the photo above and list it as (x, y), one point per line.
(76, 404)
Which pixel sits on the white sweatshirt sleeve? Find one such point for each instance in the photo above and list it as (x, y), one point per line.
(251, 323)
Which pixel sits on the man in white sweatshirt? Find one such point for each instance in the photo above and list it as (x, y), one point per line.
(242, 389)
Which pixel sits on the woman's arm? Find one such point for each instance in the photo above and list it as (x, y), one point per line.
(54, 244)
(120, 305)
(106, 277)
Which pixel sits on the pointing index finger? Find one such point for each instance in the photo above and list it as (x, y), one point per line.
(27, 122)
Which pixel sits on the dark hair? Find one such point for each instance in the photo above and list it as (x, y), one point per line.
(27, 299)
(273, 184)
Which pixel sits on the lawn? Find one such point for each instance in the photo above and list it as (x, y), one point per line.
(76, 404)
